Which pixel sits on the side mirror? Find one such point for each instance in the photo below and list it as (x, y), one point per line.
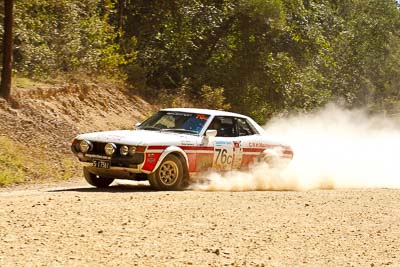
(212, 133)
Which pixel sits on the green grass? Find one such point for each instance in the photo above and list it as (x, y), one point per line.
(11, 177)
(23, 83)
(69, 166)
(11, 162)
(19, 164)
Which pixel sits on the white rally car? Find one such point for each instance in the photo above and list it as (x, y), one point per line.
(174, 145)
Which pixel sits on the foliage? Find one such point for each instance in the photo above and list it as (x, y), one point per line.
(55, 36)
(269, 56)
(211, 98)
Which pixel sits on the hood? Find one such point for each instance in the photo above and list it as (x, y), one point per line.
(139, 137)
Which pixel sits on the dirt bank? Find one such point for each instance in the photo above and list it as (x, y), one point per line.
(40, 122)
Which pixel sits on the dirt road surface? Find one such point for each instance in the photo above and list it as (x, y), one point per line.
(131, 225)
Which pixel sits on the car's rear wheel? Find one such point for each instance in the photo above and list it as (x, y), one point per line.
(169, 175)
(270, 157)
(95, 180)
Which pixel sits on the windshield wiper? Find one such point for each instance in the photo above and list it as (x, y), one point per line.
(151, 128)
(179, 130)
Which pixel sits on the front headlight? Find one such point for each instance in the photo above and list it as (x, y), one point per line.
(124, 150)
(110, 149)
(132, 150)
(85, 146)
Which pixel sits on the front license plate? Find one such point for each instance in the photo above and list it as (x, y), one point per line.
(103, 164)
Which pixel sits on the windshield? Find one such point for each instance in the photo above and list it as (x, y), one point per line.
(173, 121)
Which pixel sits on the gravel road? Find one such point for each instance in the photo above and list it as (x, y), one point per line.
(131, 225)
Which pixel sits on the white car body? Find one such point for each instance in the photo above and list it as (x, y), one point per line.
(198, 152)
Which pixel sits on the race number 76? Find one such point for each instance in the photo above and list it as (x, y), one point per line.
(223, 157)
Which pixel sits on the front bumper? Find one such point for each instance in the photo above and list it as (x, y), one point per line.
(132, 162)
(116, 173)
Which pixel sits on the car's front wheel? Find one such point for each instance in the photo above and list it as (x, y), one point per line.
(169, 175)
(95, 180)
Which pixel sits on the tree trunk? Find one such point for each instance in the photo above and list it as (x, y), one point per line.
(5, 85)
(121, 6)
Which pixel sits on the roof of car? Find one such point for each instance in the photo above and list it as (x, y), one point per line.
(205, 111)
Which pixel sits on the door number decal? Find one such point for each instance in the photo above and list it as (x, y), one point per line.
(223, 158)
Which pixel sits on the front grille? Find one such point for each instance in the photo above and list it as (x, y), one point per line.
(126, 161)
(98, 149)
(117, 159)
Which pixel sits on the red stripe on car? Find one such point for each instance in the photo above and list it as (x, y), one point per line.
(151, 161)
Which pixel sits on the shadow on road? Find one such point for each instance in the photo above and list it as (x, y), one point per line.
(118, 188)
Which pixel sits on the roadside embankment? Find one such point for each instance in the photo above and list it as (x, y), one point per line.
(37, 126)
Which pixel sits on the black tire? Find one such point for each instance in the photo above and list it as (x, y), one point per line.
(271, 159)
(95, 180)
(169, 175)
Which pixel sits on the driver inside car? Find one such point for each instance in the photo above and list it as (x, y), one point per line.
(216, 125)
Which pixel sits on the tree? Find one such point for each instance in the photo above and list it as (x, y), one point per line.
(5, 85)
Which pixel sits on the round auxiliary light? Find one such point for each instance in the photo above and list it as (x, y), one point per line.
(124, 150)
(132, 150)
(85, 146)
(110, 149)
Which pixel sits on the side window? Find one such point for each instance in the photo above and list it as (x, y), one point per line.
(243, 127)
(224, 125)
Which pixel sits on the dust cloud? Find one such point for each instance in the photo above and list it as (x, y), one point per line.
(333, 148)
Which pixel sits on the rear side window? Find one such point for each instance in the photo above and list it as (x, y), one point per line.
(244, 128)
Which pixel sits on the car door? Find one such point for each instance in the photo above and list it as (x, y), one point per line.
(247, 135)
(226, 146)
